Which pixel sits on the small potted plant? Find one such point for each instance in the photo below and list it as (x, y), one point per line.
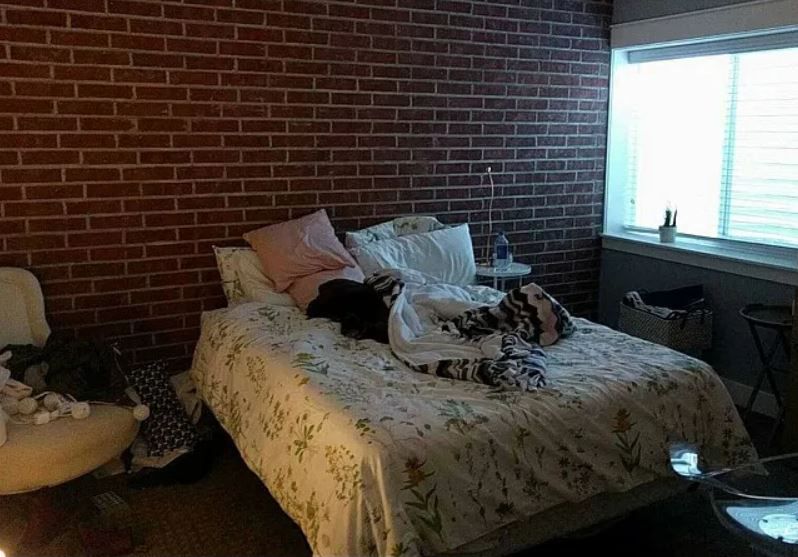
(667, 232)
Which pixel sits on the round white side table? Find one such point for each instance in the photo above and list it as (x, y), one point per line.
(499, 276)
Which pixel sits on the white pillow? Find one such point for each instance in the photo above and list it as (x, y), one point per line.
(243, 279)
(395, 228)
(446, 254)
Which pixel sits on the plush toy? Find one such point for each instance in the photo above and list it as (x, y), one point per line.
(8, 403)
(4, 375)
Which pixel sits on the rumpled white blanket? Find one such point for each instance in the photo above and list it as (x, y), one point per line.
(415, 325)
(471, 333)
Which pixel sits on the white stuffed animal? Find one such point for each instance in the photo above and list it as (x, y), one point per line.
(5, 375)
(14, 397)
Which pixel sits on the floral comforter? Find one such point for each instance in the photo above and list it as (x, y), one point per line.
(370, 458)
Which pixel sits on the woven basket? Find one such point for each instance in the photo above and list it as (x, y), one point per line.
(691, 334)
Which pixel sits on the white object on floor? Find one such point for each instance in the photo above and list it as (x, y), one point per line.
(142, 459)
(141, 412)
(186, 392)
(499, 276)
(27, 406)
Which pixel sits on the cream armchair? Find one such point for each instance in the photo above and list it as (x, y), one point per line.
(36, 456)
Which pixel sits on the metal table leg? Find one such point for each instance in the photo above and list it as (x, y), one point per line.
(766, 357)
(766, 371)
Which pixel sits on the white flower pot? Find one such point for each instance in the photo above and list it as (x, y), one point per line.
(667, 234)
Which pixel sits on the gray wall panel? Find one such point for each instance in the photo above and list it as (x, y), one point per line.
(635, 10)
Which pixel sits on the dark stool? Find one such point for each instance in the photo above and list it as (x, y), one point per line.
(778, 319)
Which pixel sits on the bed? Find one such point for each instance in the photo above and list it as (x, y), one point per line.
(371, 458)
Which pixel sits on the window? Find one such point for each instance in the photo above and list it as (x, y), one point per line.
(710, 130)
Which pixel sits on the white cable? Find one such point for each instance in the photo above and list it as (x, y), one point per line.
(490, 219)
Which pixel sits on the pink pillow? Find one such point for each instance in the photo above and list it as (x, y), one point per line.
(298, 248)
(305, 289)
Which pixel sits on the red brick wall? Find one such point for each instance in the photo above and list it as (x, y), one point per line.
(136, 134)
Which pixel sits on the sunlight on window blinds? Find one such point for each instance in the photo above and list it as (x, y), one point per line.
(717, 138)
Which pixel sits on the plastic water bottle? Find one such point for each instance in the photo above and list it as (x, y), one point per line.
(501, 252)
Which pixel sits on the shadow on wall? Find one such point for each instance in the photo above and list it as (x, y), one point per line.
(733, 353)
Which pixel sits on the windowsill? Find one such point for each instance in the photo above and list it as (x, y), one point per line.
(778, 265)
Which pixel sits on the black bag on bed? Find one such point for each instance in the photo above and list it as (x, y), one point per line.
(356, 306)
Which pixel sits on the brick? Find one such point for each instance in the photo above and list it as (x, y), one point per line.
(102, 57)
(43, 89)
(110, 23)
(84, 5)
(100, 124)
(47, 123)
(139, 75)
(26, 106)
(38, 18)
(50, 157)
(51, 225)
(135, 7)
(87, 140)
(75, 38)
(23, 34)
(209, 30)
(28, 175)
(85, 107)
(92, 239)
(91, 174)
(82, 73)
(148, 173)
(174, 44)
(26, 209)
(28, 140)
(40, 54)
(156, 26)
(157, 60)
(105, 91)
(114, 157)
(34, 242)
(138, 42)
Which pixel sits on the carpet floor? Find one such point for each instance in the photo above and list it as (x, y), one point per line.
(230, 513)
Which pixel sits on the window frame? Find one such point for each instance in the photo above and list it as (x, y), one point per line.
(758, 260)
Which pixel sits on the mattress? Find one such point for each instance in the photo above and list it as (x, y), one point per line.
(371, 458)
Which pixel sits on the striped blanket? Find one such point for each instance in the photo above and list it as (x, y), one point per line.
(451, 331)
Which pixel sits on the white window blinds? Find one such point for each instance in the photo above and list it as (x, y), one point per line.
(715, 136)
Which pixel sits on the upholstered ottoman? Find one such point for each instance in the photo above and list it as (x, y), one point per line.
(37, 456)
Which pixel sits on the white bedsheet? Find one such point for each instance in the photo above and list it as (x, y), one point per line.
(370, 458)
